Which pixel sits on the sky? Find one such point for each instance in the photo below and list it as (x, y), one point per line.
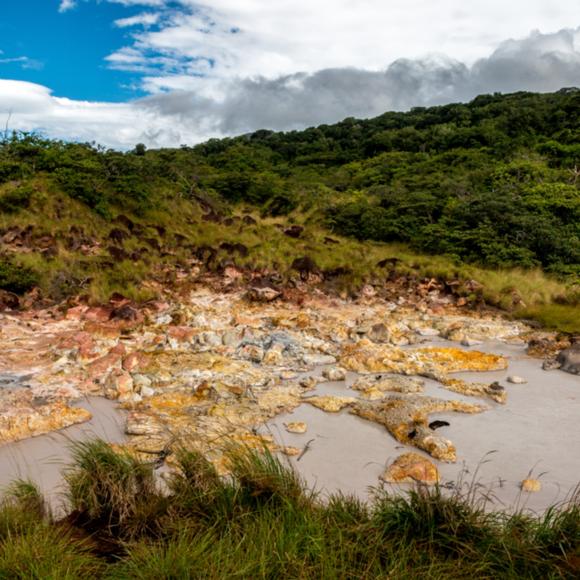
(172, 72)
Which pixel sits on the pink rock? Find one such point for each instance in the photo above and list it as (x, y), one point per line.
(75, 313)
(119, 348)
(119, 385)
(133, 361)
(102, 366)
(98, 313)
(181, 333)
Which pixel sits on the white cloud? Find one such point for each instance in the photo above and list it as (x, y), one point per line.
(32, 107)
(281, 37)
(224, 106)
(66, 5)
(145, 19)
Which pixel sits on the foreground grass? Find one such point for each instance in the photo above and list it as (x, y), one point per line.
(262, 523)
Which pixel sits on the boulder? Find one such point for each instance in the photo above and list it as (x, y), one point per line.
(334, 374)
(569, 359)
(294, 231)
(262, 294)
(411, 468)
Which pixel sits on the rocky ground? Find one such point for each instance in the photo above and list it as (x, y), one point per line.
(209, 368)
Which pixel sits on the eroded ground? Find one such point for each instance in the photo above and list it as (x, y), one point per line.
(216, 368)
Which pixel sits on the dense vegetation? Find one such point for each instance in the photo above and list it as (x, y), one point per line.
(263, 523)
(493, 183)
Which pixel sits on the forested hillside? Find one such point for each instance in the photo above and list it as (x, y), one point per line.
(493, 183)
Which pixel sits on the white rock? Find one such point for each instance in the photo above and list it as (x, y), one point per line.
(147, 391)
(163, 319)
(470, 342)
(429, 332)
(334, 374)
(318, 359)
(516, 380)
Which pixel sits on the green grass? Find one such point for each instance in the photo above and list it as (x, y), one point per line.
(92, 272)
(262, 522)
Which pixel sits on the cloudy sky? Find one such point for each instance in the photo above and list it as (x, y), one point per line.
(171, 72)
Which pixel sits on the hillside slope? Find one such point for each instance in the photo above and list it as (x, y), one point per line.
(458, 193)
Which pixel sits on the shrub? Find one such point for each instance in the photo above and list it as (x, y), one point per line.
(16, 199)
(15, 278)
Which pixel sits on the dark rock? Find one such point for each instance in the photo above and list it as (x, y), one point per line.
(569, 359)
(496, 387)
(294, 231)
(8, 300)
(123, 220)
(206, 254)
(237, 248)
(330, 241)
(125, 312)
(153, 242)
(336, 272)
(118, 235)
(118, 254)
(438, 424)
(305, 265)
(212, 217)
(249, 220)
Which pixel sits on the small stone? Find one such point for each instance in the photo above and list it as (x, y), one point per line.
(297, 427)
(330, 404)
(470, 342)
(318, 359)
(514, 379)
(291, 451)
(146, 391)
(409, 468)
(308, 383)
(334, 374)
(531, 485)
(263, 294)
(428, 332)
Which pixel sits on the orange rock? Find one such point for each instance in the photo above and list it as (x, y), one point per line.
(531, 485)
(98, 313)
(76, 313)
(100, 367)
(409, 468)
(110, 331)
(181, 333)
(133, 361)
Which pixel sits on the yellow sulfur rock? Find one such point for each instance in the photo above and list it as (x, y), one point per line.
(366, 356)
(33, 421)
(330, 404)
(409, 468)
(406, 419)
(297, 427)
(531, 485)
(291, 451)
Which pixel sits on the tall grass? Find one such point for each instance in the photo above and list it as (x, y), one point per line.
(262, 522)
